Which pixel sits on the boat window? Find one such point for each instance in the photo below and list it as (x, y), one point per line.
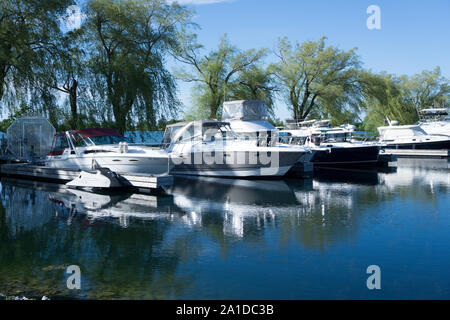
(169, 134)
(78, 140)
(59, 145)
(217, 131)
(335, 136)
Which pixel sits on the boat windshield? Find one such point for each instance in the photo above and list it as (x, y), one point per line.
(80, 141)
(334, 136)
(218, 131)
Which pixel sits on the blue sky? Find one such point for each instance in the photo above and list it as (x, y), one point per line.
(413, 35)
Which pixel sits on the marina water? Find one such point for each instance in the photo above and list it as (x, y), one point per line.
(233, 239)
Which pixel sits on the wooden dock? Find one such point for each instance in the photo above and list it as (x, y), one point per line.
(27, 171)
(418, 153)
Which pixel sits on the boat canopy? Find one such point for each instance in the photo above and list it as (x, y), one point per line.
(88, 133)
(244, 110)
(100, 132)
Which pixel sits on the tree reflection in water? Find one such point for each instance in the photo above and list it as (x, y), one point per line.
(142, 246)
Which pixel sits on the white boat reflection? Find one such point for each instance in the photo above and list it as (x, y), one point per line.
(415, 177)
(234, 199)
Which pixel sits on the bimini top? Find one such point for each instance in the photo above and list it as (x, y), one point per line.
(98, 132)
(197, 122)
(244, 110)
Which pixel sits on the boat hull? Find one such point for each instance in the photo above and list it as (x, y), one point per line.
(247, 164)
(432, 145)
(362, 156)
(126, 165)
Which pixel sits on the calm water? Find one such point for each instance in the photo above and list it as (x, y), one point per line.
(233, 239)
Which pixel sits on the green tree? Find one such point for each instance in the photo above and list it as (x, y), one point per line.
(399, 98)
(255, 83)
(27, 32)
(130, 41)
(64, 72)
(314, 77)
(426, 89)
(214, 73)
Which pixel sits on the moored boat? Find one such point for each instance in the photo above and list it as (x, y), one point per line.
(411, 137)
(334, 146)
(89, 149)
(212, 148)
(435, 121)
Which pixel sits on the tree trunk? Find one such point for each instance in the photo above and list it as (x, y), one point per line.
(120, 118)
(2, 79)
(150, 114)
(214, 107)
(120, 114)
(73, 105)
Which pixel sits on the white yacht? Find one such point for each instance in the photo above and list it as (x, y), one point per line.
(212, 148)
(411, 137)
(249, 119)
(88, 149)
(435, 121)
(335, 146)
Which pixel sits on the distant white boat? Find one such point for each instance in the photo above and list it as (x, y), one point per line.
(411, 137)
(435, 121)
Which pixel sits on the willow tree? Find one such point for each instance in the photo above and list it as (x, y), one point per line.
(314, 77)
(399, 98)
(130, 41)
(255, 83)
(426, 89)
(28, 29)
(64, 72)
(213, 73)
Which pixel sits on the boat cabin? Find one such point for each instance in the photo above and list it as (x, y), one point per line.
(205, 131)
(434, 114)
(84, 138)
(392, 133)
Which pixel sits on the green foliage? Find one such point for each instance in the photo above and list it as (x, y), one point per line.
(65, 72)
(130, 41)
(23, 110)
(215, 73)
(112, 71)
(399, 98)
(316, 79)
(28, 30)
(277, 122)
(254, 83)
(426, 89)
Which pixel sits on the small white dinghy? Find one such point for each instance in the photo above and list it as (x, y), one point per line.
(100, 178)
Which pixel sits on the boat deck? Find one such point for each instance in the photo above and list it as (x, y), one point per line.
(28, 171)
(418, 153)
